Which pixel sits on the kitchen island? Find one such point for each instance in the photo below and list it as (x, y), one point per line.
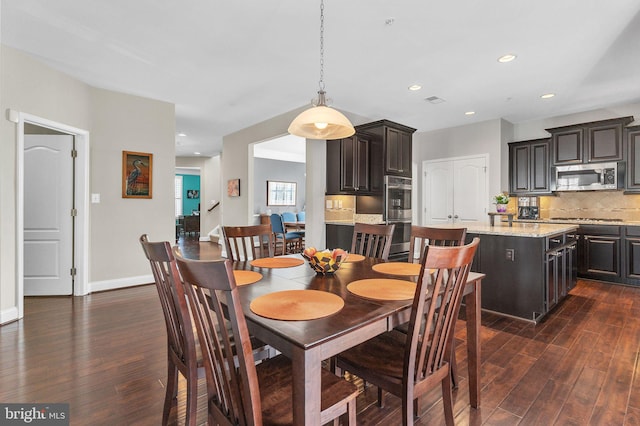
(529, 267)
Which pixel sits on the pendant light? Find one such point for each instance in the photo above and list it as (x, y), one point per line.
(321, 121)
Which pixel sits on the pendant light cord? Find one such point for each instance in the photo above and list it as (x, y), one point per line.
(321, 83)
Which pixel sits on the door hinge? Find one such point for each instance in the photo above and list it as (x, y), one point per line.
(74, 212)
(72, 272)
(74, 153)
(484, 168)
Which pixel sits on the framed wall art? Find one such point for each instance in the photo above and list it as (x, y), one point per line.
(281, 193)
(193, 193)
(137, 172)
(233, 187)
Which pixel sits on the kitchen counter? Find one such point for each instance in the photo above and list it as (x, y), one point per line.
(519, 229)
(580, 221)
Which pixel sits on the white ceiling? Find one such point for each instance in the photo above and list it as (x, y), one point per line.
(230, 64)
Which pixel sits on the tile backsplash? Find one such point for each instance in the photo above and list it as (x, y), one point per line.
(591, 205)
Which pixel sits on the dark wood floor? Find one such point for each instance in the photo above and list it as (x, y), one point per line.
(105, 355)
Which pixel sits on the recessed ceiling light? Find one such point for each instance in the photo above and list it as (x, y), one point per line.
(469, 113)
(415, 87)
(548, 95)
(182, 134)
(506, 58)
(196, 153)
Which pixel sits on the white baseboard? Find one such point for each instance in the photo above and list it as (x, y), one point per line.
(120, 283)
(8, 315)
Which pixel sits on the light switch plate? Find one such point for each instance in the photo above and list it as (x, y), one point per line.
(95, 198)
(329, 204)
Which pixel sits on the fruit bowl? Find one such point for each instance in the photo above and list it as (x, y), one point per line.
(326, 261)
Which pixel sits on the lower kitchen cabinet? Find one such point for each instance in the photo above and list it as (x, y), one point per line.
(339, 236)
(632, 255)
(526, 276)
(599, 251)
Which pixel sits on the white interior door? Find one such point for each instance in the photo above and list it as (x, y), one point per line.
(455, 190)
(438, 192)
(470, 190)
(48, 224)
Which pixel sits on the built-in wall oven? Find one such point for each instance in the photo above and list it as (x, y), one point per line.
(397, 210)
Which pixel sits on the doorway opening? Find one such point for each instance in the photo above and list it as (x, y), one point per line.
(80, 183)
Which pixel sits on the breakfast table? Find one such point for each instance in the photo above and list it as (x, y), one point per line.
(337, 327)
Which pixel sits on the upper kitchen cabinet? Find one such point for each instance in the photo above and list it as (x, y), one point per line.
(529, 171)
(632, 136)
(396, 146)
(592, 142)
(349, 165)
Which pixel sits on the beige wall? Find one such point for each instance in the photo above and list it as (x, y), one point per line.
(237, 156)
(116, 122)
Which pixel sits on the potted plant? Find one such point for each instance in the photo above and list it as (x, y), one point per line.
(501, 200)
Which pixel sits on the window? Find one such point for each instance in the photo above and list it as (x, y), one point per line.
(281, 193)
(178, 194)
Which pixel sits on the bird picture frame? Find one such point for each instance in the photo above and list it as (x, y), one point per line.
(137, 173)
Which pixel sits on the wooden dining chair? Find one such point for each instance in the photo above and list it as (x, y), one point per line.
(421, 238)
(183, 355)
(291, 242)
(248, 242)
(412, 369)
(424, 236)
(372, 240)
(239, 391)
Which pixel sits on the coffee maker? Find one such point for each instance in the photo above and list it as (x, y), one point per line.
(528, 208)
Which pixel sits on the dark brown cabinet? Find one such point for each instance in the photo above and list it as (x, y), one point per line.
(354, 164)
(592, 142)
(397, 152)
(357, 165)
(632, 136)
(599, 251)
(339, 236)
(529, 169)
(396, 146)
(632, 255)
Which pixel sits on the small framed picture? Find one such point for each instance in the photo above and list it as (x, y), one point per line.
(137, 172)
(233, 187)
(193, 193)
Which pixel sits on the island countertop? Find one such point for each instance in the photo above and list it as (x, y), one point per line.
(519, 229)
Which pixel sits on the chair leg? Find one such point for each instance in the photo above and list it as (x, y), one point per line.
(192, 397)
(380, 398)
(170, 398)
(447, 399)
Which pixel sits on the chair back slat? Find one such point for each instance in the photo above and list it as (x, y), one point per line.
(248, 242)
(433, 318)
(422, 237)
(232, 382)
(372, 240)
(165, 273)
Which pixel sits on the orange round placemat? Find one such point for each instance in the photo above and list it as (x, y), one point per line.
(354, 257)
(296, 305)
(398, 268)
(276, 262)
(246, 277)
(383, 289)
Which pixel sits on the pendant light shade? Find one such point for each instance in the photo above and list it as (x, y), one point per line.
(321, 121)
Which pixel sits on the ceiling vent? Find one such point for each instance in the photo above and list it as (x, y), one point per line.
(434, 100)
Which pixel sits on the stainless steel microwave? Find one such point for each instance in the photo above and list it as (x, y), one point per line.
(590, 177)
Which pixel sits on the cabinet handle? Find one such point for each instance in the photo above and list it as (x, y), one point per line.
(449, 217)
(455, 217)
(553, 240)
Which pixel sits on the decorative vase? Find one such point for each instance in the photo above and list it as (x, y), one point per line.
(501, 208)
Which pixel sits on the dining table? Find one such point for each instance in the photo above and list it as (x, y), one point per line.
(308, 342)
(294, 226)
